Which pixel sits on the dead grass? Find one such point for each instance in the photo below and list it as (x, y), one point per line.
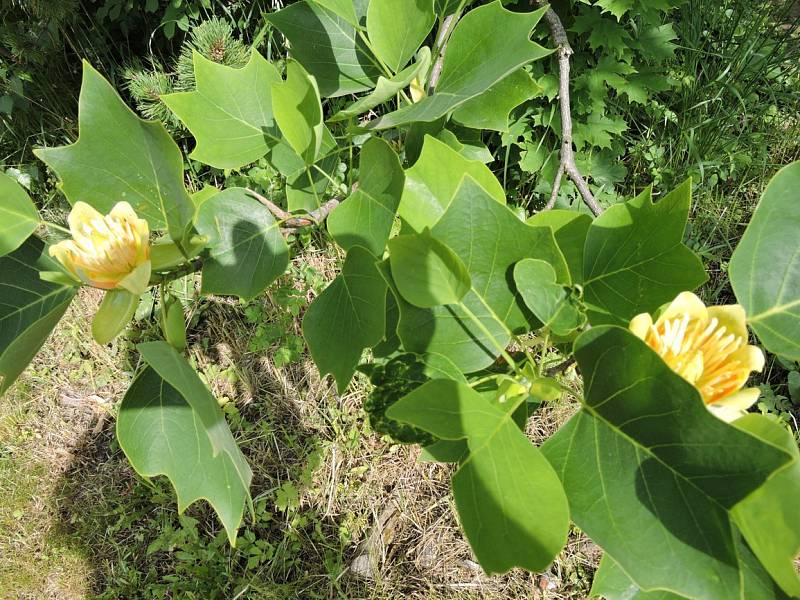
(370, 520)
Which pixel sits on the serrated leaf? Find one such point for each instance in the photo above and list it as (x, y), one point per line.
(247, 251)
(298, 111)
(656, 43)
(499, 483)
(552, 303)
(230, 111)
(489, 239)
(433, 180)
(396, 32)
(603, 32)
(426, 272)
(386, 89)
(765, 267)
(597, 130)
(18, 215)
(162, 434)
(347, 317)
(618, 8)
(118, 156)
(652, 474)
(366, 217)
(328, 47)
(635, 260)
(29, 307)
(490, 110)
(476, 59)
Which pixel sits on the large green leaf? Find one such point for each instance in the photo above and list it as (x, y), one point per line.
(298, 112)
(29, 307)
(426, 272)
(490, 110)
(476, 59)
(118, 156)
(366, 217)
(433, 180)
(162, 432)
(386, 88)
(612, 583)
(765, 267)
(769, 518)
(328, 47)
(306, 184)
(230, 112)
(489, 238)
(652, 475)
(18, 215)
(247, 251)
(347, 317)
(344, 8)
(396, 32)
(510, 503)
(634, 259)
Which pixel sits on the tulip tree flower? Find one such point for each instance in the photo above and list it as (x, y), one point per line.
(107, 252)
(707, 346)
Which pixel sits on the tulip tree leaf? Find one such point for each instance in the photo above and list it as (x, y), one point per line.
(396, 34)
(476, 59)
(29, 307)
(230, 112)
(162, 434)
(247, 251)
(18, 215)
(552, 303)
(347, 317)
(765, 267)
(570, 229)
(386, 88)
(612, 583)
(768, 518)
(305, 184)
(298, 112)
(328, 47)
(501, 482)
(119, 156)
(426, 272)
(489, 239)
(491, 109)
(652, 474)
(343, 8)
(366, 217)
(433, 180)
(634, 258)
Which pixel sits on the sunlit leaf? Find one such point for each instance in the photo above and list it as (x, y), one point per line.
(298, 112)
(490, 110)
(18, 215)
(395, 32)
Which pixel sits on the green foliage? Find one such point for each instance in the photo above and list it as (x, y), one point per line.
(771, 296)
(18, 215)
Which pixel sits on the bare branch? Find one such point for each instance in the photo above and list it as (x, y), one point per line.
(561, 367)
(292, 223)
(276, 210)
(567, 162)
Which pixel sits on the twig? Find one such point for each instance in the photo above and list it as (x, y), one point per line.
(190, 267)
(441, 42)
(567, 162)
(291, 223)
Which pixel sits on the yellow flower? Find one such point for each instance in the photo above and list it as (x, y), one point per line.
(107, 252)
(708, 348)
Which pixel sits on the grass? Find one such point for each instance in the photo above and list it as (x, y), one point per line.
(340, 512)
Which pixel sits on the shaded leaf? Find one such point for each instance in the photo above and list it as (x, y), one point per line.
(347, 317)
(570, 229)
(552, 303)
(247, 251)
(29, 307)
(500, 483)
(396, 32)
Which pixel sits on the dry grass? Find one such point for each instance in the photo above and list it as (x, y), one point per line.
(370, 521)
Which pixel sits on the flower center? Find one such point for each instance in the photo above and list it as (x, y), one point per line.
(702, 353)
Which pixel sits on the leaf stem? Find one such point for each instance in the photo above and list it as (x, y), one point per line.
(485, 331)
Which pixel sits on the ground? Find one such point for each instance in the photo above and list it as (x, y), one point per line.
(340, 511)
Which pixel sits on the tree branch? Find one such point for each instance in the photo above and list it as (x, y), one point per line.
(567, 161)
(291, 223)
(448, 25)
